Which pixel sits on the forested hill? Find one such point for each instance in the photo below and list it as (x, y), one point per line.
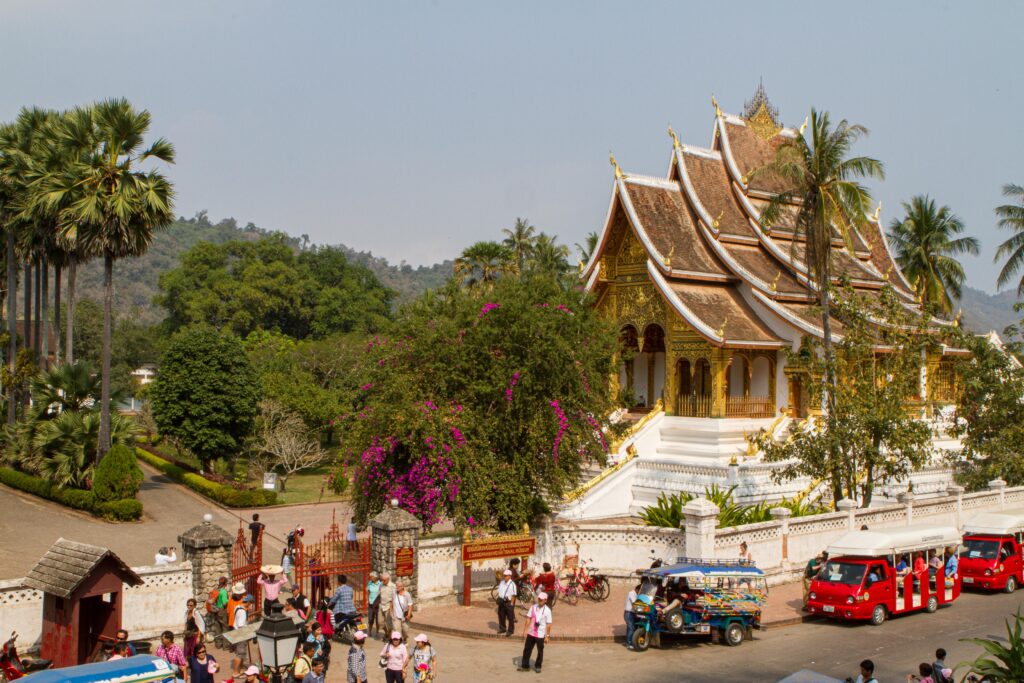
(135, 279)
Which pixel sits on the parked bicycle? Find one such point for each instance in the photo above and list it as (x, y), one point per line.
(591, 583)
(525, 595)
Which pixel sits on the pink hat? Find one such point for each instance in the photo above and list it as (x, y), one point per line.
(359, 635)
(542, 596)
(508, 572)
(396, 634)
(422, 638)
(252, 671)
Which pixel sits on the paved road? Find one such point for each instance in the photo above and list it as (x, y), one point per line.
(830, 648)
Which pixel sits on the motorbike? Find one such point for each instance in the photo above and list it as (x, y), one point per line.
(11, 665)
(345, 626)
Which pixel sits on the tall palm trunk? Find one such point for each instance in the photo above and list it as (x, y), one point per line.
(69, 337)
(44, 314)
(12, 322)
(26, 323)
(108, 310)
(37, 327)
(56, 312)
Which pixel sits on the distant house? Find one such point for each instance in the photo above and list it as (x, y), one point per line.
(145, 374)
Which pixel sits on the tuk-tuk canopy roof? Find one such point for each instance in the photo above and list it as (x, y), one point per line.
(689, 568)
(995, 523)
(137, 669)
(892, 541)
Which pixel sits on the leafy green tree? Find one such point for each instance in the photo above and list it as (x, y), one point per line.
(118, 476)
(483, 263)
(823, 177)
(927, 245)
(550, 259)
(867, 436)
(989, 415)
(520, 242)
(114, 206)
(487, 405)
(206, 395)
(247, 286)
(1011, 217)
(1002, 660)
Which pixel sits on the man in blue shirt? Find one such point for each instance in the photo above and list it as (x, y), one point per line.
(343, 602)
(952, 564)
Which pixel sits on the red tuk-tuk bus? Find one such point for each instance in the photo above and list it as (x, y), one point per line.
(992, 555)
(871, 574)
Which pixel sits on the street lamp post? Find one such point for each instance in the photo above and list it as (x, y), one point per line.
(277, 637)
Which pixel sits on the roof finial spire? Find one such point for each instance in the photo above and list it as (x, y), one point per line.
(878, 210)
(803, 126)
(714, 103)
(675, 138)
(618, 171)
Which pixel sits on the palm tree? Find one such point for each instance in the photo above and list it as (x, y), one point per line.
(823, 184)
(1011, 217)
(549, 257)
(64, 446)
(926, 250)
(483, 263)
(114, 206)
(8, 190)
(586, 249)
(520, 241)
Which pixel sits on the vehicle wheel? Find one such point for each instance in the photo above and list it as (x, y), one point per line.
(674, 620)
(733, 634)
(603, 589)
(1011, 585)
(933, 604)
(572, 595)
(528, 596)
(878, 615)
(641, 639)
(494, 592)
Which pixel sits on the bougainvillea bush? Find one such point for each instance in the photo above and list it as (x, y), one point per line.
(483, 407)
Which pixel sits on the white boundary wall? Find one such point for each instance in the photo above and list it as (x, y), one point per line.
(157, 605)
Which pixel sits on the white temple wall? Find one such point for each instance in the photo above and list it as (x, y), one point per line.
(760, 374)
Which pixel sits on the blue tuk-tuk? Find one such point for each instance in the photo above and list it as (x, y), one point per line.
(699, 597)
(137, 669)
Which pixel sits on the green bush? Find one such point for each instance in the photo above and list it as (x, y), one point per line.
(668, 509)
(225, 495)
(79, 499)
(118, 476)
(126, 509)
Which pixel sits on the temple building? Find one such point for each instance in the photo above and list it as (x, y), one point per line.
(707, 299)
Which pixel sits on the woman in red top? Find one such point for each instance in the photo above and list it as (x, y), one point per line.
(545, 582)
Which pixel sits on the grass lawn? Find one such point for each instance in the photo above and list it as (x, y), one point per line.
(304, 487)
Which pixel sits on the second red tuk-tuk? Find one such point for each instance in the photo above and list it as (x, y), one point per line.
(992, 555)
(871, 575)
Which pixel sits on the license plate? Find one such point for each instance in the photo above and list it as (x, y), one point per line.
(703, 628)
(828, 608)
(968, 579)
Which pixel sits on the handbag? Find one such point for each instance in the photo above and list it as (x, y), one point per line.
(383, 662)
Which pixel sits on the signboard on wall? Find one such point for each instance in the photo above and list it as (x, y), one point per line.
(403, 562)
(497, 548)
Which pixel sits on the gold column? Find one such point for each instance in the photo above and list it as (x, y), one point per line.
(720, 359)
(671, 381)
(931, 375)
(651, 398)
(613, 384)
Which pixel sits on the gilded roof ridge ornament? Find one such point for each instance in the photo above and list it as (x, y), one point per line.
(774, 286)
(668, 259)
(721, 328)
(718, 218)
(959, 316)
(888, 273)
(878, 210)
(714, 103)
(675, 138)
(619, 175)
(803, 126)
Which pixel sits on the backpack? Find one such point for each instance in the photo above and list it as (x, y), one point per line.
(211, 601)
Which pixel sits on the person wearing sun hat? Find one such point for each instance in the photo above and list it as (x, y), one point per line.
(252, 674)
(357, 658)
(507, 592)
(272, 579)
(424, 660)
(538, 628)
(394, 658)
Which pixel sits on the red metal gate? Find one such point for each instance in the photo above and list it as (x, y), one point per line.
(318, 564)
(246, 560)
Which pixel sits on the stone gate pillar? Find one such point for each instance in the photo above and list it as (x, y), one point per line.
(208, 548)
(396, 530)
(700, 525)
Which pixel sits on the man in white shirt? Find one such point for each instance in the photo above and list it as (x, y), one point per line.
(538, 628)
(507, 592)
(401, 605)
(165, 556)
(629, 616)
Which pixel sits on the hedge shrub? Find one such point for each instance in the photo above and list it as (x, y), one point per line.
(225, 495)
(118, 476)
(78, 499)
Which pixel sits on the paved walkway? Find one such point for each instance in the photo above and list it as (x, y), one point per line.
(587, 621)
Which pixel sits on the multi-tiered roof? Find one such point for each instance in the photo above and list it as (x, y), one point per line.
(734, 281)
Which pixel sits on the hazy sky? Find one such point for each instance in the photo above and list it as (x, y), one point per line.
(413, 129)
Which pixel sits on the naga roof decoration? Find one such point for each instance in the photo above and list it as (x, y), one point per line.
(697, 233)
